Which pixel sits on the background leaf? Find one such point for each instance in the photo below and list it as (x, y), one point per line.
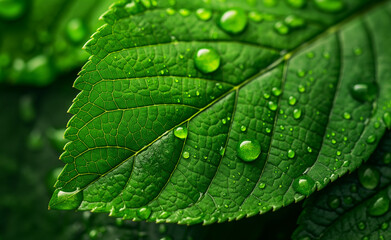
(345, 210)
(141, 84)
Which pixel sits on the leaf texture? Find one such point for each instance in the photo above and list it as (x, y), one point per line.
(141, 83)
(342, 212)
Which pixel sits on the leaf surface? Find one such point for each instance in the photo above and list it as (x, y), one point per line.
(344, 210)
(141, 84)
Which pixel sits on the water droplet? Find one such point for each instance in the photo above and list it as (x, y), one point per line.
(384, 226)
(76, 30)
(357, 51)
(304, 185)
(144, 213)
(296, 113)
(255, 16)
(379, 205)
(269, 3)
(347, 115)
(330, 6)
(243, 128)
(262, 185)
(291, 153)
(249, 150)
(310, 55)
(387, 158)
(180, 132)
(301, 88)
(364, 92)
(12, 9)
(339, 153)
(233, 21)
(276, 91)
(294, 22)
(334, 202)
(170, 11)
(204, 14)
(266, 95)
(361, 225)
(272, 105)
(66, 200)
(371, 139)
(268, 130)
(184, 12)
(207, 60)
(224, 121)
(281, 28)
(387, 120)
(309, 149)
(292, 100)
(222, 151)
(186, 155)
(369, 177)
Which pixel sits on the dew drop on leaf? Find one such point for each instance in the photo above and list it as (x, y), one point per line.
(276, 91)
(347, 115)
(243, 128)
(309, 149)
(304, 185)
(387, 119)
(204, 14)
(384, 226)
(361, 225)
(364, 92)
(379, 206)
(292, 100)
(369, 177)
(170, 11)
(270, 3)
(296, 113)
(207, 60)
(66, 200)
(330, 6)
(262, 185)
(297, 3)
(144, 213)
(186, 155)
(301, 88)
(180, 132)
(76, 30)
(371, 139)
(255, 16)
(333, 202)
(291, 153)
(184, 12)
(281, 28)
(233, 21)
(12, 9)
(294, 21)
(249, 150)
(272, 106)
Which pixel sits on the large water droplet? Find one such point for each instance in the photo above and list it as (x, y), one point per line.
(369, 177)
(272, 105)
(76, 30)
(291, 153)
(233, 21)
(292, 100)
(347, 115)
(304, 185)
(297, 3)
(329, 5)
(66, 200)
(243, 128)
(364, 92)
(371, 139)
(204, 14)
(249, 150)
(276, 91)
(281, 28)
(379, 205)
(12, 9)
(144, 213)
(186, 155)
(180, 132)
(296, 113)
(207, 60)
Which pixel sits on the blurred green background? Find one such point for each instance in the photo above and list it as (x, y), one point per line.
(40, 54)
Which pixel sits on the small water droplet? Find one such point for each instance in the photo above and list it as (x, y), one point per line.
(184, 12)
(304, 185)
(379, 205)
(268, 130)
(297, 3)
(170, 11)
(301, 88)
(330, 6)
(255, 16)
(291, 153)
(186, 155)
(276, 91)
(144, 213)
(243, 128)
(266, 95)
(12, 9)
(262, 185)
(309, 149)
(76, 30)
(384, 226)
(334, 202)
(347, 115)
(387, 120)
(281, 28)
(294, 21)
(222, 151)
(66, 200)
(272, 106)
(207, 60)
(339, 153)
(371, 139)
(224, 121)
(296, 113)
(363, 92)
(204, 14)
(249, 150)
(361, 225)
(180, 132)
(292, 100)
(233, 21)
(369, 177)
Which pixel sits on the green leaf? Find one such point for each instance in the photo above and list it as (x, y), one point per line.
(41, 39)
(357, 207)
(300, 106)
